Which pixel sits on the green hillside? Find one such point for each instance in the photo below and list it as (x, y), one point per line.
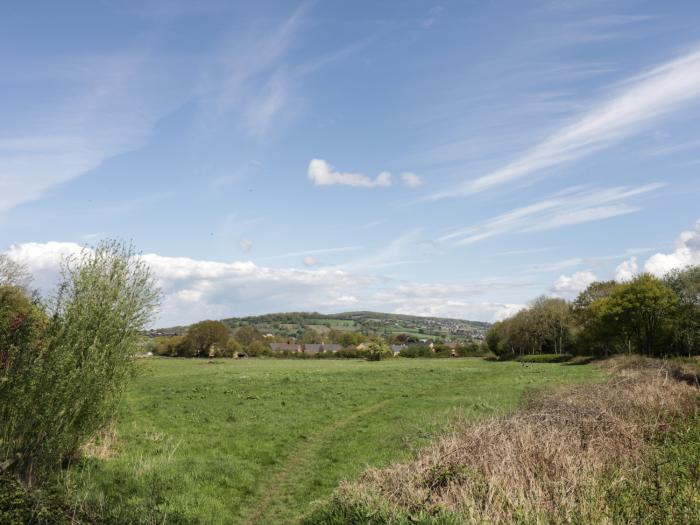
(293, 324)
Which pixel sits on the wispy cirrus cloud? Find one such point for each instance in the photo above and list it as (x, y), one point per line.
(574, 206)
(98, 107)
(634, 104)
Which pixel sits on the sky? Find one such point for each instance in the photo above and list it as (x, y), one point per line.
(453, 158)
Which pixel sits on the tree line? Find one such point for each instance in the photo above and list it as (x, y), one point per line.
(646, 315)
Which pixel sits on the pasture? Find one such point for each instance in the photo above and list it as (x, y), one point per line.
(259, 440)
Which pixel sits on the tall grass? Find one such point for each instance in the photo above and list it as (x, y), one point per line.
(556, 460)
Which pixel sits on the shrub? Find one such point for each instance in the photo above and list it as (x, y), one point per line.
(66, 373)
(168, 346)
(378, 350)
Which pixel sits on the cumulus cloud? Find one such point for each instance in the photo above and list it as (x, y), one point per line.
(323, 174)
(411, 179)
(686, 253)
(626, 270)
(197, 289)
(569, 285)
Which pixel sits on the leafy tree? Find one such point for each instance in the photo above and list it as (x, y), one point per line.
(640, 311)
(207, 336)
(246, 334)
(348, 339)
(686, 324)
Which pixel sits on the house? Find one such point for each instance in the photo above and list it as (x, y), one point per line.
(313, 348)
(396, 349)
(285, 347)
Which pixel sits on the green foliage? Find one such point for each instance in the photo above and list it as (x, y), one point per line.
(378, 350)
(667, 489)
(413, 351)
(686, 324)
(246, 335)
(169, 346)
(647, 315)
(641, 312)
(19, 506)
(64, 372)
(206, 338)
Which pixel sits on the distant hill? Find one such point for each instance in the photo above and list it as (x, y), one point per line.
(293, 324)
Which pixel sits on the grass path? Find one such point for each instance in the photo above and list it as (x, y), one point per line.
(271, 493)
(257, 441)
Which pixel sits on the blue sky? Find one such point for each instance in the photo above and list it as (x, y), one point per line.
(451, 158)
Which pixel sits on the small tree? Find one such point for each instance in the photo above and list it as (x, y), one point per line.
(378, 350)
(640, 310)
(66, 375)
(205, 336)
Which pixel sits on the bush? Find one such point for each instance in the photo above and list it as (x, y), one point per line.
(19, 506)
(471, 350)
(378, 350)
(414, 351)
(65, 372)
(168, 346)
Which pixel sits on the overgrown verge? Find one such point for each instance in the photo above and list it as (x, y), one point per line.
(622, 451)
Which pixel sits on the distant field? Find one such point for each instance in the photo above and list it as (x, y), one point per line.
(256, 441)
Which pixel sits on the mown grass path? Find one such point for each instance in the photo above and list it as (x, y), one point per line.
(257, 441)
(271, 493)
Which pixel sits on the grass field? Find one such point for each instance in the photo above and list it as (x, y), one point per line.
(256, 441)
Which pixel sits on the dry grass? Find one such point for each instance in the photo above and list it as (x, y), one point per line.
(544, 463)
(103, 445)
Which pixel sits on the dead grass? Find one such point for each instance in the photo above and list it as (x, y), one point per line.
(103, 445)
(544, 463)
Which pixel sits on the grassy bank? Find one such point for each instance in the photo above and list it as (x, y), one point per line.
(622, 451)
(257, 441)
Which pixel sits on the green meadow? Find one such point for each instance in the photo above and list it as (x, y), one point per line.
(259, 440)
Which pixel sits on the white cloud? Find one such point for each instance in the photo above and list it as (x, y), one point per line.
(198, 289)
(573, 206)
(626, 270)
(310, 260)
(323, 174)
(636, 103)
(245, 244)
(490, 312)
(411, 179)
(570, 285)
(686, 253)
